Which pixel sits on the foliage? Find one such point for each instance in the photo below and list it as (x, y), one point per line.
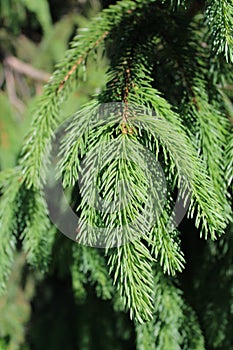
(165, 99)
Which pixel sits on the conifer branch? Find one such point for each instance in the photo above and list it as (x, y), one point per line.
(196, 175)
(219, 17)
(131, 269)
(174, 324)
(202, 112)
(37, 232)
(80, 60)
(122, 201)
(37, 146)
(8, 224)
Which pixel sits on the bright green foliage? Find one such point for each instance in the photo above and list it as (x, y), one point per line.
(219, 15)
(130, 265)
(10, 185)
(47, 116)
(165, 101)
(37, 232)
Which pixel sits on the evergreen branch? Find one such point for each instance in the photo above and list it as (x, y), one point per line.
(219, 17)
(127, 74)
(38, 144)
(74, 144)
(8, 225)
(131, 269)
(102, 170)
(166, 247)
(174, 325)
(202, 109)
(167, 127)
(37, 234)
(118, 170)
(211, 132)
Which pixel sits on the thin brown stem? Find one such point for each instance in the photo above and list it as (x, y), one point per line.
(79, 61)
(24, 68)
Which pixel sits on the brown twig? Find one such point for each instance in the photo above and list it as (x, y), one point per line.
(128, 83)
(11, 89)
(24, 68)
(79, 61)
(71, 71)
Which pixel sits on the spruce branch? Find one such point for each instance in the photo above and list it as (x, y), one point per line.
(201, 107)
(210, 131)
(129, 81)
(8, 208)
(174, 324)
(37, 232)
(103, 152)
(131, 269)
(219, 17)
(167, 126)
(165, 246)
(46, 119)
